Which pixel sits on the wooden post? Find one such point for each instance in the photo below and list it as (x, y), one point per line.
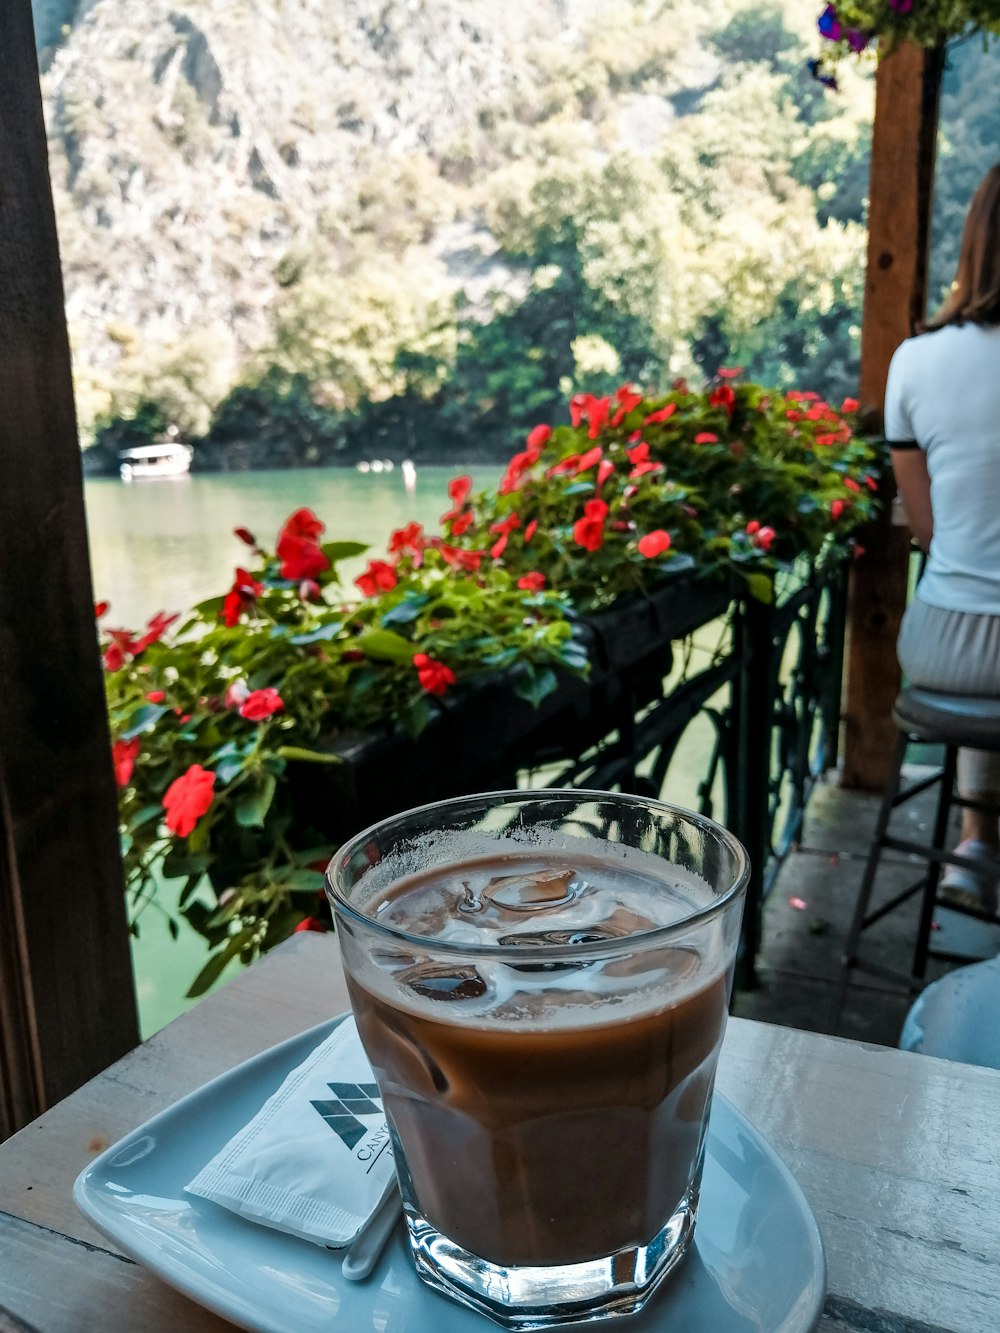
(67, 1001)
(908, 89)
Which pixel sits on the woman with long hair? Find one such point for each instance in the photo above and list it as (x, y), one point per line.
(942, 424)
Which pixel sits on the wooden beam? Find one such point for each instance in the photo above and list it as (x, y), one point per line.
(907, 98)
(67, 1001)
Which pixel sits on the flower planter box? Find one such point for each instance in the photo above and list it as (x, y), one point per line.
(479, 739)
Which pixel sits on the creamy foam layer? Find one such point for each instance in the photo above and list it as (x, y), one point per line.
(522, 900)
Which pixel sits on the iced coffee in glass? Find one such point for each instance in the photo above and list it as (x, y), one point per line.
(541, 982)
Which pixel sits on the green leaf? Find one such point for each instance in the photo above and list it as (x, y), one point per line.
(384, 646)
(406, 611)
(761, 587)
(143, 719)
(253, 805)
(328, 631)
(215, 966)
(177, 864)
(416, 714)
(229, 768)
(335, 551)
(300, 878)
(535, 685)
(210, 608)
(145, 815)
(307, 756)
(190, 885)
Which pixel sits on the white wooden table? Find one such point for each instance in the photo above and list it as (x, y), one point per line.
(898, 1155)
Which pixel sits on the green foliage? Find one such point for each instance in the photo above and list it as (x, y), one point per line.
(268, 678)
(734, 477)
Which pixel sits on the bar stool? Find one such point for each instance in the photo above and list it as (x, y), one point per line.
(957, 722)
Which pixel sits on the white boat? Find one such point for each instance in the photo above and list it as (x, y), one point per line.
(166, 459)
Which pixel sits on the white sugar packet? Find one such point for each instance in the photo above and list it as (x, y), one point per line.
(316, 1161)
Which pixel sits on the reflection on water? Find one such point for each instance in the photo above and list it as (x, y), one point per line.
(164, 545)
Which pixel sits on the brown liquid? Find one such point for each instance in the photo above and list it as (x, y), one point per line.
(546, 1145)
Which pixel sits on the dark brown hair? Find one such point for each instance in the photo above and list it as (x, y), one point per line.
(975, 293)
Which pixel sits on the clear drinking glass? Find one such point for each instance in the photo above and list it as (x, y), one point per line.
(541, 982)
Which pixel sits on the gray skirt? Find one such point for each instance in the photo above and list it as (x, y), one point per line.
(957, 652)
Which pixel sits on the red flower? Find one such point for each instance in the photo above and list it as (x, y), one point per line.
(532, 582)
(300, 558)
(764, 538)
(378, 577)
(468, 560)
(638, 454)
(459, 489)
(729, 372)
(513, 478)
(530, 530)
(410, 538)
(826, 439)
(123, 756)
(588, 531)
(156, 696)
(804, 396)
(311, 923)
(461, 523)
(753, 527)
(261, 704)
(585, 407)
(627, 397)
(706, 437)
(564, 465)
(504, 528)
(538, 438)
(304, 523)
(851, 484)
(654, 543)
(434, 676)
(240, 596)
(156, 628)
(664, 414)
(837, 508)
(188, 798)
(871, 483)
(849, 405)
(590, 458)
(298, 546)
(723, 396)
(310, 591)
(114, 656)
(245, 535)
(100, 609)
(604, 471)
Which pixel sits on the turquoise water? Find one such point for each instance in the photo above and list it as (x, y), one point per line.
(164, 545)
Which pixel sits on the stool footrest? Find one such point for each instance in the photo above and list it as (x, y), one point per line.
(893, 903)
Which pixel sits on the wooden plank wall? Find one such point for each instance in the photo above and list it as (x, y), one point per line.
(904, 138)
(67, 1002)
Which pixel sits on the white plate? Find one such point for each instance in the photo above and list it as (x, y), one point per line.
(757, 1265)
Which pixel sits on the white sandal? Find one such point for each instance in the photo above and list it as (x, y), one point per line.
(975, 889)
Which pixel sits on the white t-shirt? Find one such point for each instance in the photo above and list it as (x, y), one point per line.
(943, 395)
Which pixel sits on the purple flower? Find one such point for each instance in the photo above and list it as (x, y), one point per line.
(901, 6)
(857, 41)
(829, 24)
(821, 76)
